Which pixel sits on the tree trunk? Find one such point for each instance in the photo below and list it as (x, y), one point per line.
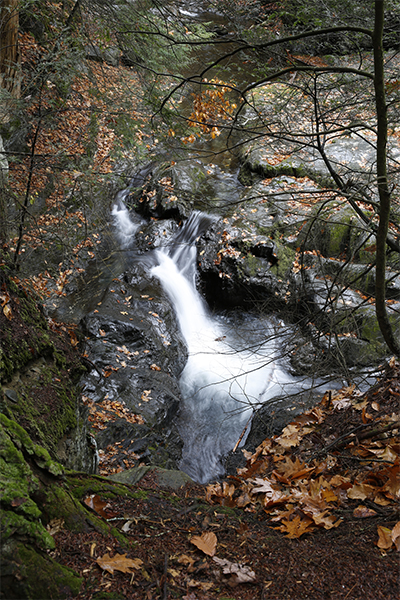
(9, 54)
(383, 188)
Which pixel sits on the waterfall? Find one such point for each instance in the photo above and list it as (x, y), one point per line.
(222, 381)
(122, 220)
(230, 370)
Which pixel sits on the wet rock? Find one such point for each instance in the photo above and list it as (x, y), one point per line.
(163, 478)
(269, 420)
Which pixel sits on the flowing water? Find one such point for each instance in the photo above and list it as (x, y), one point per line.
(229, 371)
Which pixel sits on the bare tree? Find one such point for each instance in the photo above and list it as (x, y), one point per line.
(333, 99)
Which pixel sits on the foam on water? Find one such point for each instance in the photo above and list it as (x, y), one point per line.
(126, 229)
(228, 373)
(221, 382)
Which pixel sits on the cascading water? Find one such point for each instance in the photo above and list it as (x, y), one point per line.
(226, 375)
(125, 227)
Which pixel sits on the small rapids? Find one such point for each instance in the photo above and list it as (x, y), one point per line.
(229, 372)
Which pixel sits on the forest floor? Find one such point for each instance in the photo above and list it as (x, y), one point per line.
(313, 515)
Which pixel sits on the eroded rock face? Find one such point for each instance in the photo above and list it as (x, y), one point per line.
(40, 370)
(286, 249)
(137, 355)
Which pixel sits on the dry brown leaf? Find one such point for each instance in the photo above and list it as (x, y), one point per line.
(213, 489)
(119, 562)
(363, 512)
(290, 436)
(381, 500)
(184, 559)
(202, 585)
(240, 573)
(264, 487)
(54, 526)
(244, 500)
(385, 538)
(340, 481)
(146, 395)
(329, 496)
(396, 536)
(207, 542)
(326, 520)
(294, 469)
(101, 507)
(7, 311)
(296, 527)
(360, 491)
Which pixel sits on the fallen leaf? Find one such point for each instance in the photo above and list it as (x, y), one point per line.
(396, 536)
(119, 562)
(296, 527)
(385, 537)
(101, 507)
(126, 527)
(264, 487)
(360, 491)
(207, 542)
(54, 526)
(341, 404)
(362, 512)
(146, 395)
(7, 311)
(74, 339)
(202, 585)
(290, 436)
(184, 559)
(240, 573)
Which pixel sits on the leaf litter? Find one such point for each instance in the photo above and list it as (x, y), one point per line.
(313, 520)
(296, 476)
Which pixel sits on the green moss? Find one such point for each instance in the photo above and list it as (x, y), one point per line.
(33, 411)
(82, 486)
(286, 256)
(13, 524)
(18, 486)
(253, 265)
(337, 238)
(39, 577)
(22, 440)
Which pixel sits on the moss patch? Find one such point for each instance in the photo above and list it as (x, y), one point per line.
(38, 369)
(36, 576)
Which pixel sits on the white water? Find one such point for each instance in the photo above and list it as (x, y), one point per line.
(126, 229)
(221, 382)
(228, 372)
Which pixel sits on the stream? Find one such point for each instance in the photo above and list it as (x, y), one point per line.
(199, 374)
(230, 371)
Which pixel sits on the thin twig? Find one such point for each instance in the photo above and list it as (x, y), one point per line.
(242, 434)
(343, 439)
(165, 577)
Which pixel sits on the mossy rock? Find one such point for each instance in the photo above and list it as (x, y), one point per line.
(335, 231)
(285, 255)
(19, 483)
(29, 574)
(34, 492)
(27, 571)
(39, 370)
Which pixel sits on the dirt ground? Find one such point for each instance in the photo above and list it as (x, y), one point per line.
(198, 543)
